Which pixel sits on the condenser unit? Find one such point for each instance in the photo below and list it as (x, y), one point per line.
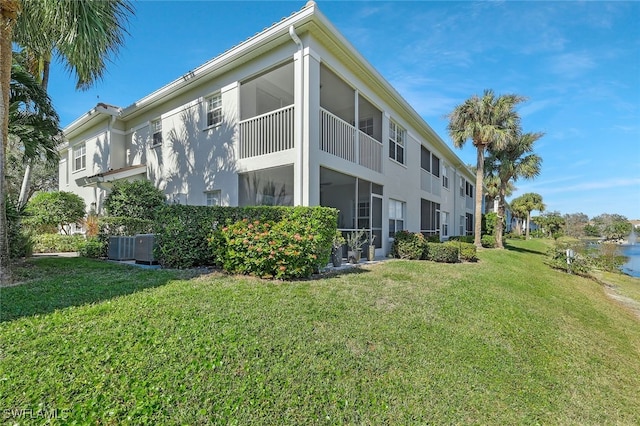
(121, 248)
(143, 250)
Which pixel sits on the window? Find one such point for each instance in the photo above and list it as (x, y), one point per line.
(463, 222)
(445, 178)
(429, 217)
(469, 220)
(156, 131)
(435, 165)
(80, 157)
(445, 224)
(396, 216)
(469, 190)
(214, 110)
(425, 159)
(366, 126)
(462, 187)
(396, 142)
(213, 197)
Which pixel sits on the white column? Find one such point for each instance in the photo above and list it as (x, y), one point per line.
(298, 127)
(311, 129)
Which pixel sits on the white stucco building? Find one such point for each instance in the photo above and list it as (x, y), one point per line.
(294, 116)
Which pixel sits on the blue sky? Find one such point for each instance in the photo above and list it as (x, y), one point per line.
(578, 63)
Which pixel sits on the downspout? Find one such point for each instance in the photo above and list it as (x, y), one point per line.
(299, 112)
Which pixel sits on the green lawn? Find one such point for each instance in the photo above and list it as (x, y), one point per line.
(503, 341)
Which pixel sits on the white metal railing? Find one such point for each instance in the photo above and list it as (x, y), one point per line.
(267, 133)
(337, 137)
(370, 152)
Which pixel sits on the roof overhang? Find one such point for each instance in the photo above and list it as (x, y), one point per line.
(112, 175)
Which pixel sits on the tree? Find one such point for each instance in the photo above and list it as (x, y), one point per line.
(9, 10)
(515, 161)
(56, 210)
(551, 223)
(489, 122)
(575, 224)
(519, 212)
(84, 34)
(528, 202)
(612, 226)
(135, 199)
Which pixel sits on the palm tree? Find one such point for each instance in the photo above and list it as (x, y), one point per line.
(84, 34)
(9, 10)
(510, 164)
(527, 203)
(490, 122)
(98, 29)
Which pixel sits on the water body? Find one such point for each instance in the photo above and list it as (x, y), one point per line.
(632, 267)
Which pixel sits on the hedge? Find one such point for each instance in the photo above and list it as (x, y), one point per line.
(183, 232)
(445, 253)
(57, 243)
(409, 245)
(467, 251)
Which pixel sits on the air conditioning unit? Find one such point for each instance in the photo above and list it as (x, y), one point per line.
(121, 248)
(143, 250)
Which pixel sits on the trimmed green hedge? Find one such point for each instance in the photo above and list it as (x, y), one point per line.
(467, 251)
(444, 253)
(409, 245)
(183, 232)
(488, 241)
(57, 243)
(462, 238)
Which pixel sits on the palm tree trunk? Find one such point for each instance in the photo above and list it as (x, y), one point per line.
(8, 13)
(528, 221)
(477, 232)
(501, 216)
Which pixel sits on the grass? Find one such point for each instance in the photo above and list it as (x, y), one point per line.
(503, 341)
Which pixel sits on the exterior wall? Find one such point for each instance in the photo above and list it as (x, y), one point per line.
(194, 159)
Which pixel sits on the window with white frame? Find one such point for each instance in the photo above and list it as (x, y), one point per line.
(214, 110)
(366, 125)
(445, 224)
(462, 186)
(435, 166)
(425, 159)
(80, 157)
(156, 132)
(214, 198)
(463, 223)
(397, 136)
(397, 211)
(445, 178)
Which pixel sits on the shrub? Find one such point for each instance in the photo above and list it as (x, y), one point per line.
(57, 243)
(433, 238)
(557, 258)
(20, 241)
(283, 250)
(183, 232)
(489, 221)
(445, 253)
(92, 247)
(462, 238)
(134, 199)
(409, 245)
(488, 241)
(467, 251)
(54, 210)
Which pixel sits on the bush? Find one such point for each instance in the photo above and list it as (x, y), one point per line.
(183, 232)
(134, 199)
(557, 258)
(57, 243)
(489, 222)
(283, 250)
(462, 238)
(20, 241)
(488, 241)
(444, 253)
(93, 248)
(467, 251)
(48, 211)
(409, 245)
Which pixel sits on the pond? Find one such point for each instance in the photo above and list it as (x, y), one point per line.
(632, 252)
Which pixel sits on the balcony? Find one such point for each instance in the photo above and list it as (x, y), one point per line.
(339, 138)
(267, 133)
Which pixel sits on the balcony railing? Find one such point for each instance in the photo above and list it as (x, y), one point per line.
(338, 137)
(267, 133)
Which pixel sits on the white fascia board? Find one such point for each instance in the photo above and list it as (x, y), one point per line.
(86, 119)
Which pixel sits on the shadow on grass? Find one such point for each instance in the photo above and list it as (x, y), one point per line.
(512, 247)
(52, 283)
